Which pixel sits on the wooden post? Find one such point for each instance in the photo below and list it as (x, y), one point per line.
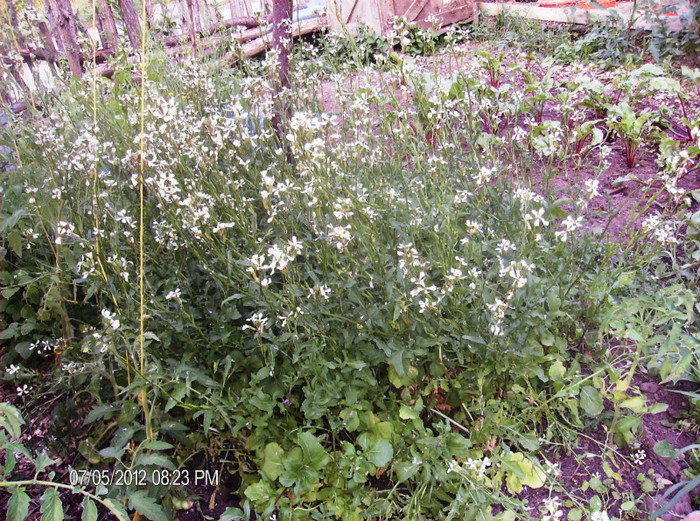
(182, 7)
(54, 26)
(131, 23)
(282, 46)
(149, 14)
(63, 14)
(110, 27)
(193, 35)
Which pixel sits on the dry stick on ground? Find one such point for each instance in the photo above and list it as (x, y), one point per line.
(131, 23)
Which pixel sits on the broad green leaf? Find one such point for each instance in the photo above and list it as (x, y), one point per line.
(89, 510)
(272, 466)
(664, 449)
(18, 505)
(380, 453)
(557, 370)
(575, 514)
(406, 470)
(314, 455)
(591, 400)
(406, 412)
(259, 492)
(51, 506)
(147, 506)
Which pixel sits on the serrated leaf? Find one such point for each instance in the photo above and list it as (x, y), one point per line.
(116, 509)
(51, 506)
(98, 413)
(42, 461)
(18, 505)
(147, 506)
(89, 510)
(591, 400)
(157, 445)
(157, 460)
(636, 404)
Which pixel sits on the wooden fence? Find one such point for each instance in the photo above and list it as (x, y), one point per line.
(43, 41)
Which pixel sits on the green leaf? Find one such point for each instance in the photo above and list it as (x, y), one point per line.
(232, 514)
(13, 219)
(155, 459)
(89, 510)
(664, 449)
(147, 506)
(591, 400)
(272, 466)
(575, 514)
(380, 453)
(157, 445)
(259, 492)
(658, 408)
(636, 404)
(18, 505)
(98, 413)
(43, 461)
(11, 420)
(406, 470)
(557, 370)
(51, 506)
(116, 509)
(314, 455)
(406, 412)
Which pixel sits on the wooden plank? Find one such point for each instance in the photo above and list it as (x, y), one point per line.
(413, 10)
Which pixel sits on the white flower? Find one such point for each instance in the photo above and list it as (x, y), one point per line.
(174, 295)
(453, 467)
(591, 186)
(111, 319)
(22, 390)
(600, 516)
(259, 322)
(639, 457)
(12, 369)
(553, 512)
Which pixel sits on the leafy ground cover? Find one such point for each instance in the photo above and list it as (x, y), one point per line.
(463, 287)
